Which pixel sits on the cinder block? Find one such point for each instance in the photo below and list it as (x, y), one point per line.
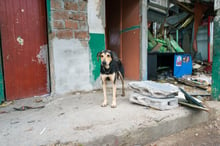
(157, 103)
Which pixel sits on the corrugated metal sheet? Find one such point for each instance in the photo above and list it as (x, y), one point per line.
(202, 43)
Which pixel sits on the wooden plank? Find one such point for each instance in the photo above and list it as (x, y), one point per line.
(193, 106)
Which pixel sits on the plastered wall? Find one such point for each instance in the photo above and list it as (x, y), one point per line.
(71, 64)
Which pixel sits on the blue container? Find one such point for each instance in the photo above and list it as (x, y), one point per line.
(182, 65)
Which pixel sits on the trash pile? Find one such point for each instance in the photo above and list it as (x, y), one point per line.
(202, 67)
(200, 80)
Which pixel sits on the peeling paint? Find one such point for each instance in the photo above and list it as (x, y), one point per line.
(42, 55)
(20, 40)
(8, 56)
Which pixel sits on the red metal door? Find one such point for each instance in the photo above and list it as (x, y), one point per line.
(24, 47)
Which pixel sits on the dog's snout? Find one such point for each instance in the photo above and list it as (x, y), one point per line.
(104, 63)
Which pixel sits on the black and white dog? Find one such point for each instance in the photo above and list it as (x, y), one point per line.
(111, 69)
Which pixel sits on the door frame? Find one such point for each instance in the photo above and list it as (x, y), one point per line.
(2, 95)
(144, 41)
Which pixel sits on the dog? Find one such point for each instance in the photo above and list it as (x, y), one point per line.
(111, 69)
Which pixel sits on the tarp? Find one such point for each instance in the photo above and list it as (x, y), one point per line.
(161, 96)
(154, 89)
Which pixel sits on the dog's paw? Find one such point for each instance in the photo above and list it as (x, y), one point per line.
(104, 104)
(113, 105)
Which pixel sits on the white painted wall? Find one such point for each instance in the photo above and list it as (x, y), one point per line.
(71, 66)
(96, 24)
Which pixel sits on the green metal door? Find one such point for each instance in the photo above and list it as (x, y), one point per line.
(2, 95)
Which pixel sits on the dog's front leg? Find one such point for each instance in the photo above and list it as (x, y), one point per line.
(105, 102)
(114, 96)
(113, 79)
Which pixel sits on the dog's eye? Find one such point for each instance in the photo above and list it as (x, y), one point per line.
(108, 55)
(102, 56)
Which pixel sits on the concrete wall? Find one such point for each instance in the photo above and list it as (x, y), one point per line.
(69, 46)
(76, 35)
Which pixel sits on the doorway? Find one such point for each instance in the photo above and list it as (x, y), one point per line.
(123, 34)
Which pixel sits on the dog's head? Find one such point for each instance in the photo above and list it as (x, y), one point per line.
(106, 57)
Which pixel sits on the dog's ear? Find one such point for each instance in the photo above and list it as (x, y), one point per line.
(98, 55)
(114, 56)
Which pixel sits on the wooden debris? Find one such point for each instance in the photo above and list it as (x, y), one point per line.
(192, 84)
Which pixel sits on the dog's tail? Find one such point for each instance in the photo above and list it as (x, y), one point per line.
(120, 66)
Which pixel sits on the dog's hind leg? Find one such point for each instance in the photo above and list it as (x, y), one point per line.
(122, 83)
(105, 103)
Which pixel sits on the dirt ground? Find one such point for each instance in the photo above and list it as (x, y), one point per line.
(206, 134)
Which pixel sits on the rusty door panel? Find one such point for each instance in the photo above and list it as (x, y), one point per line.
(113, 25)
(24, 47)
(130, 13)
(131, 54)
(131, 38)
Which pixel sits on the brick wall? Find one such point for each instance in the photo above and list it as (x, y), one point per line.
(69, 20)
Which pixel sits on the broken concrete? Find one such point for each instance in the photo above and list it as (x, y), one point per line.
(78, 118)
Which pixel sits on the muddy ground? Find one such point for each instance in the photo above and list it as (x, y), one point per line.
(206, 134)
